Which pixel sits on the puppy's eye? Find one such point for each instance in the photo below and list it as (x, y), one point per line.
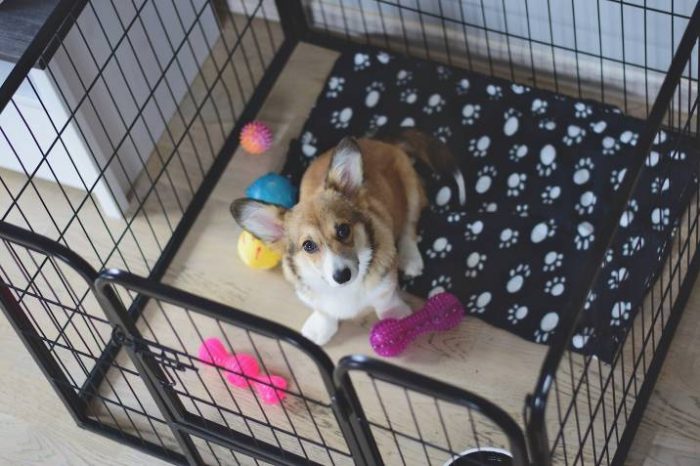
(309, 246)
(342, 231)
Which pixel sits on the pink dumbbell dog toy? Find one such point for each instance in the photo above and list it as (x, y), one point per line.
(390, 337)
(212, 351)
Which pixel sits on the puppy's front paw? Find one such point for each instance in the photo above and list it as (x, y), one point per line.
(319, 328)
(397, 310)
(410, 260)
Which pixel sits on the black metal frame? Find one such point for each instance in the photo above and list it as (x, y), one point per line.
(152, 366)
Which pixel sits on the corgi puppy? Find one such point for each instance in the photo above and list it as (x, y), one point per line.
(353, 228)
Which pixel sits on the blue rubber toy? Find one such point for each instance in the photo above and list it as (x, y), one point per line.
(274, 189)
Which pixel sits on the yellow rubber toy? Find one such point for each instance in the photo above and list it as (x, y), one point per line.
(256, 254)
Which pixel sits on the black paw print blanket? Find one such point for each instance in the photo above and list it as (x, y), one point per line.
(541, 170)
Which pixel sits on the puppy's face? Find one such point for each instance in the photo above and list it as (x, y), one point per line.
(326, 239)
(329, 241)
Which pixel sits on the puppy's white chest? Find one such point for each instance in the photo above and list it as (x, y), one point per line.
(346, 302)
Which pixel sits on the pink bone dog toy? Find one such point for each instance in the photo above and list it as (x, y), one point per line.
(390, 337)
(241, 368)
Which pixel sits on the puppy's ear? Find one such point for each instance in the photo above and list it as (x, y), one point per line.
(345, 171)
(265, 221)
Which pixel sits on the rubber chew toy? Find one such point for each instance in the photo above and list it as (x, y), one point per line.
(256, 137)
(390, 337)
(241, 369)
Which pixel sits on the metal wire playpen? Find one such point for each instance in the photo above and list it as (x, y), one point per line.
(105, 181)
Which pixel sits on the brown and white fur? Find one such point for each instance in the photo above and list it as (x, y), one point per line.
(353, 228)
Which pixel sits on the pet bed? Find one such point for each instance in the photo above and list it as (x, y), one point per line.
(541, 172)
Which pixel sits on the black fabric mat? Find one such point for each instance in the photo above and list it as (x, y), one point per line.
(541, 172)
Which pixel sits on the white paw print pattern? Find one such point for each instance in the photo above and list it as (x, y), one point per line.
(617, 277)
(608, 258)
(443, 133)
(442, 199)
(443, 72)
(516, 313)
(511, 122)
(633, 245)
(470, 113)
(580, 339)
(660, 218)
(508, 238)
(517, 278)
(473, 230)
(582, 171)
(548, 124)
(440, 285)
(455, 217)
(477, 303)
(574, 135)
(374, 93)
(308, 144)
(550, 194)
(548, 160)
(341, 118)
(590, 299)
(660, 137)
(408, 122)
(610, 145)
(628, 214)
(475, 264)
(441, 247)
(383, 58)
(547, 326)
(556, 286)
(552, 261)
(652, 159)
(598, 126)
(489, 207)
(335, 86)
(522, 210)
(377, 121)
(584, 236)
(403, 77)
(485, 179)
(494, 92)
(676, 155)
(516, 184)
(617, 177)
(409, 95)
(586, 203)
(462, 86)
(582, 110)
(361, 61)
(434, 104)
(479, 146)
(519, 89)
(659, 185)
(539, 106)
(629, 137)
(517, 152)
(620, 312)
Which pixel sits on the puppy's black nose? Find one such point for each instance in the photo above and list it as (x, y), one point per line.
(342, 276)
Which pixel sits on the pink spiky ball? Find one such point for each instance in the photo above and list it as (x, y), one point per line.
(256, 137)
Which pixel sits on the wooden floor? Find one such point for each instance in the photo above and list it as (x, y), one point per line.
(39, 431)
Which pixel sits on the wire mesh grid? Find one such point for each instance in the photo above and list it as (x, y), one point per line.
(60, 313)
(416, 421)
(103, 147)
(595, 407)
(112, 120)
(615, 52)
(224, 377)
